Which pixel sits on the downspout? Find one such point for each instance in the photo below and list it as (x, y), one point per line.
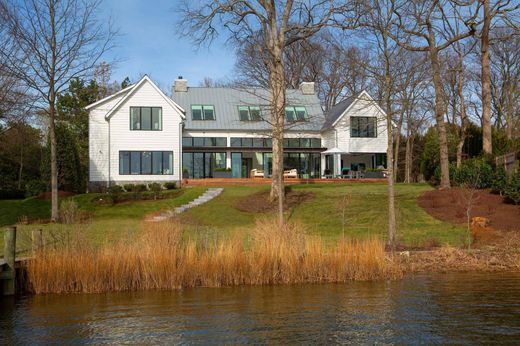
(181, 124)
(109, 161)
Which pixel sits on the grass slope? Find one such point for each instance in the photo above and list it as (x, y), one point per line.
(365, 214)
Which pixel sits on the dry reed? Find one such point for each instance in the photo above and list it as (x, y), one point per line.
(160, 259)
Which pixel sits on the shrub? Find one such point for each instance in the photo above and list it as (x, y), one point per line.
(115, 192)
(129, 187)
(156, 188)
(34, 188)
(170, 185)
(499, 182)
(141, 187)
(512, 189)
(476, 173)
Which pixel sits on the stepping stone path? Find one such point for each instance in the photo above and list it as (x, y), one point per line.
(205, 197)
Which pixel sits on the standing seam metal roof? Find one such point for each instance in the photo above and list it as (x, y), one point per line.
(226, 102)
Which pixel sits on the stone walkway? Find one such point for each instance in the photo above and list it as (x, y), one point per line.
(205, 197)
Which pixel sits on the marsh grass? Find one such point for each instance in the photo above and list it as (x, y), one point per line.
(163, 258)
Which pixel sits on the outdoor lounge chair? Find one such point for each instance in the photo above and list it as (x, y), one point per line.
(291, 173)
(257, 173)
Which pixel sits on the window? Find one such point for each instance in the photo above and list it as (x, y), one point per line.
(302, 143)
(187, 141)
(202, 112)
(204, 141)
(363, 127)
(146, 118)
(249, 113)
(295, 113)
(145, 162)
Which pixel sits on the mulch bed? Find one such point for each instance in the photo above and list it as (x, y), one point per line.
(259, 202)
(451, 205)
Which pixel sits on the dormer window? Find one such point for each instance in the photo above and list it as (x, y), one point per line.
(295, 113)
(202, 112)
(249, 113)
(146, 118)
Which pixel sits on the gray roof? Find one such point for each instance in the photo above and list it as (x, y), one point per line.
(227, 100)
(336, 111)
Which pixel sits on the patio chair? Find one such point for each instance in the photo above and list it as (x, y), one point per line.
(257, 173)
(291, 173)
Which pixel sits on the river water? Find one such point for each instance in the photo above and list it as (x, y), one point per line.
(419, 309)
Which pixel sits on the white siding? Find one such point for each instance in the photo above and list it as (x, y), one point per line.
(348, 144)
(98, 141)
(122, 138)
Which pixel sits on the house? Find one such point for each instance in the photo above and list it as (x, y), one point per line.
(141, 135)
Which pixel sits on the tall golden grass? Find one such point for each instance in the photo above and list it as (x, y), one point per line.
(161, 259)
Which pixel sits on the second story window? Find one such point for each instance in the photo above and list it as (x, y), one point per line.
(202, 112)
(146, 118)
(363, 127)
(295, 113)
(249, 113)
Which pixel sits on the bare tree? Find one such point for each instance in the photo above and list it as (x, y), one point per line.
(272, 26)
(505, 80)
(427, 21)
(54, 41)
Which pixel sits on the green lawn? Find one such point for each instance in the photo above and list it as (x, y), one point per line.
(365, 214)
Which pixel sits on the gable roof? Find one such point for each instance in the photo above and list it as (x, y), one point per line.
(128, 92)
(226, 101)
(340, 109)
(110, 97)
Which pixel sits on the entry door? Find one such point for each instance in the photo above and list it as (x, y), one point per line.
(247, 164)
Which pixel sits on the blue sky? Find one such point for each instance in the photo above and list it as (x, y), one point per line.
(149, 44)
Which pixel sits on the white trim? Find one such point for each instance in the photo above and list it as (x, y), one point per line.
(370, 99)
(103, 100)
(135, 87)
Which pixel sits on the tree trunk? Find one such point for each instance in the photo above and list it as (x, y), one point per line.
(52, 115)
(392, 228)
(20, 170)
(398, 144)
(486, 82)
(408, 160)
(277, 81)
(463, 118)
(439, 112)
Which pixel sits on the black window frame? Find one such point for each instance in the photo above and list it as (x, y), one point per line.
(151, 118)
(204, 142)
(203, 117)
(141, 152)
(357, 132)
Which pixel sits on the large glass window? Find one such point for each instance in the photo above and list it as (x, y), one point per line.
(363, 126)
(204, 141)
(249, 113)
(202, 165)
(157, 162)
(202, 112)
(236, 165)
(145, 162)
(146, 118)
(124, 162)
(135, 162)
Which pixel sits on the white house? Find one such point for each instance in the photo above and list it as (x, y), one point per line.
(141, 135)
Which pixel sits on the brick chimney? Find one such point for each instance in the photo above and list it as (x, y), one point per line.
(307, 88)
(180, 85)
